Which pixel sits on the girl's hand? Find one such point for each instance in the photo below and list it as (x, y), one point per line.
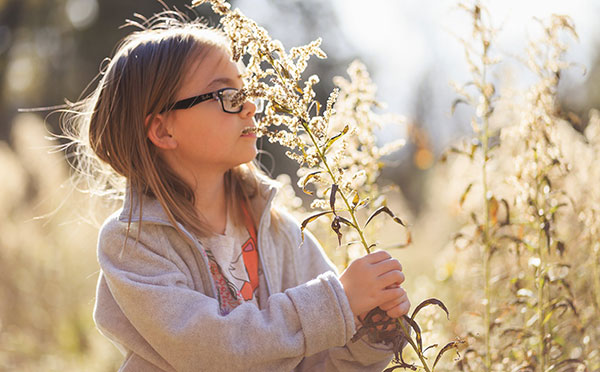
(398, 307)
(374, 280)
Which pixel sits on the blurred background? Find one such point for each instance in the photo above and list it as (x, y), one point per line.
(51, 50)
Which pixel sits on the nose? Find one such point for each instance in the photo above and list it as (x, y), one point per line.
(248, 109)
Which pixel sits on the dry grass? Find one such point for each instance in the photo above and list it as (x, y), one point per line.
(48, 266)
(509, 240)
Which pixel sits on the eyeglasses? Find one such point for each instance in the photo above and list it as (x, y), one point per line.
(225, 96)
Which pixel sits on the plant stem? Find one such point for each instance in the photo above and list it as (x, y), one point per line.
(486, 226)
(540, 273)
(360, 232)
(412, 343)
(596, 270)
(350, 210)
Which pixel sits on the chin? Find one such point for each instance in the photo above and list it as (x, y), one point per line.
(247, 157)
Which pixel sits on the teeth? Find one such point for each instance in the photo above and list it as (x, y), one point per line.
(250, 130)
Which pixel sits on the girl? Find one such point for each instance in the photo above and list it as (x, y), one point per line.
(199, 271)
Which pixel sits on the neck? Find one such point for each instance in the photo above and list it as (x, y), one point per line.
(210, 201)
(208, 184)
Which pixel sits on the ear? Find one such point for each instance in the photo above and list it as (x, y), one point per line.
(160, 132)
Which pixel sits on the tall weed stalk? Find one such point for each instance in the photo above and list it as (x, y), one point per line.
(530, 308)
(296, 120)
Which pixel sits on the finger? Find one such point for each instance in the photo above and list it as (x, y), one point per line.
(390, 278)
(399, 310)
(395, 302)
(390, 305)
(387, 295)
(378, 256)
(387, 265)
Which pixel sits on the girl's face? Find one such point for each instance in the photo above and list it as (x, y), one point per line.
(206, 136)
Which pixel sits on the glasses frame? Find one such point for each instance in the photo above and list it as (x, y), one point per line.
(193, 101)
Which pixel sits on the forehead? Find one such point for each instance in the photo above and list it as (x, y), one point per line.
(209, 68)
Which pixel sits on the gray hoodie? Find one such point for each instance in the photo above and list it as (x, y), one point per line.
(156, 301)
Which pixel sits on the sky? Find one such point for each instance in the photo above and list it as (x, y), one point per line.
(408, 43)
(410, 39)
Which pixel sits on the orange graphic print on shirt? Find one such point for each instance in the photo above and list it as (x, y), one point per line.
(249, 257)
(236, 277)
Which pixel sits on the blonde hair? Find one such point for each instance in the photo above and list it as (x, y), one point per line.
(109, 129)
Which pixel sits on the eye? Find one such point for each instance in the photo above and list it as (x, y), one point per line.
(229, 94)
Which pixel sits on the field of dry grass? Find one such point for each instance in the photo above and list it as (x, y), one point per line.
(509, 239)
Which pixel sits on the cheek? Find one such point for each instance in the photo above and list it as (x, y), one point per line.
(206, 138)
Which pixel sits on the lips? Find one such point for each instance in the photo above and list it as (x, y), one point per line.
(249, 130)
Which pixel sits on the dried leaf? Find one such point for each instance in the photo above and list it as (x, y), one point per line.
(560, 246)
(283, 70)
(428, 302)
(363, 203)
(430, 347)
(335, 226)
(456, 103)
(401, 365)
(355, 200)
(567, 361)
(386, 210)
(450, 345)
(507, 219)
(306, 179)
(347, 222)
(335, 138)
(493, 210)
(313, 104)
(464, 194)
(546, 228)
(309, 220)
(417, 330)
(281, 109)
(474, 218)
(359, 334)
(334, 189)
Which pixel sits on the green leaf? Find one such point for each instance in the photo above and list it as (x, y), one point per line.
(386, 210)
(428, 302)
(335, 138)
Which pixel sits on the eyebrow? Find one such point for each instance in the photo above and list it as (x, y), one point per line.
(224, 80)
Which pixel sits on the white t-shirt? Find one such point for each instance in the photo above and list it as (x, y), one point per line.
(226, 252)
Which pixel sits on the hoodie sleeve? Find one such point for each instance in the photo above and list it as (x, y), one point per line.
(184, 327)
(311, 261)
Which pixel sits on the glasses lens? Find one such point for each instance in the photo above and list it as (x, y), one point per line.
(227, 97)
